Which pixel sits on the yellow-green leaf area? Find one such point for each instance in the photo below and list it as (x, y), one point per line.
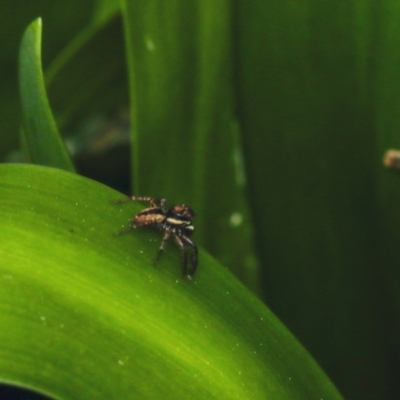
(89, 315)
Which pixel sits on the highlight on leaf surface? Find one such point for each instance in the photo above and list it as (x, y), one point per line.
(88, 315)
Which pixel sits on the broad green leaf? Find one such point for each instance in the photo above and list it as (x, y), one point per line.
(186, 144)
(387, 122)
(307, 84)
(385, 118)
(88, 315)
(40, 136)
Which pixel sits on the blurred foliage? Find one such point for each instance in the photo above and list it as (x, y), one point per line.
(318, 111)
(304, 92)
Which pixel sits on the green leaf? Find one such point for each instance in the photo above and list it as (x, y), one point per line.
(60, 28)
(186, 144)
(307, 84)
(88, 315)
(40, 136)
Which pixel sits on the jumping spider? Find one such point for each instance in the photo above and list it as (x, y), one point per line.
(175, 221)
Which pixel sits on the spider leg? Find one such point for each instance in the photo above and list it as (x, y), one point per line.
(166, 236)
(124, 200)
(182, 248)
(184, 243)
(194, 259)
(159, 203)
(153, 202)
(125, 230)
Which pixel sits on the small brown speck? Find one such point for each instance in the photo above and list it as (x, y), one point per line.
(392, 159)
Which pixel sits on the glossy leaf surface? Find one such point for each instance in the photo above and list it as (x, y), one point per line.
(88, 315)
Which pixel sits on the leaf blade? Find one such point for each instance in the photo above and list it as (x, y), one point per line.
(40, 137)
(92, 302)
(185, 140)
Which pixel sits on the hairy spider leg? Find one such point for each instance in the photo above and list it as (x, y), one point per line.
(194, 259)
(166, 236)
(153, 202)
(184, 243)
(183, 249)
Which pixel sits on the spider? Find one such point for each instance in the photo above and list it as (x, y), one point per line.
(175, 221)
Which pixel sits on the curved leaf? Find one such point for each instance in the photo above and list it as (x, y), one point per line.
(41, 139)
(88, 315)
(179, 62)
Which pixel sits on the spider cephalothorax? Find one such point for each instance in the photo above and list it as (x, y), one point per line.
(175, 221)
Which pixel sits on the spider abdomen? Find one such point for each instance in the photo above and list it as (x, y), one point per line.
(149, 217)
